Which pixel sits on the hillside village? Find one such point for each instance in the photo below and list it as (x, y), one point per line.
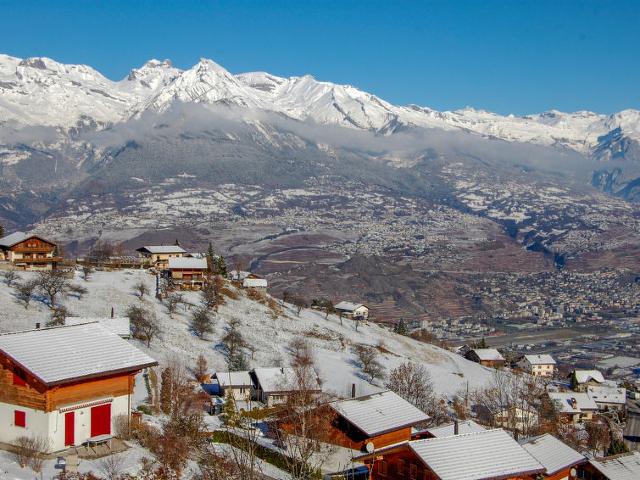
(172, 364)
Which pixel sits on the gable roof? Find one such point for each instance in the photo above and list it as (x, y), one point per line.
(277, 379)
(119, 325)
(467, 426)
(162, 249)
(379, 413)
(233, 379)
(491, 454)
(542, 359)
(553, 454)
(66, 354)
(621, 467)
(188, 262)
(605, 394)
(564, 402)
(17, 237)
(254, 283)
(584, 376)
(349, 306)
(488, 354)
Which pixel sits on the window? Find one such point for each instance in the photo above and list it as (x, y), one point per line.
(401, 467)
(20, 418)
(383, 468)
(413, 471)
(18, 380)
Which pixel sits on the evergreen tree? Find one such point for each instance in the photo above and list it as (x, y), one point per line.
(1, 231)
(221, 266)
(401, 328)
(230, 411)
(166, 390)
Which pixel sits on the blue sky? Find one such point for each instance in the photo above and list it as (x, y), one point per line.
(510, 56)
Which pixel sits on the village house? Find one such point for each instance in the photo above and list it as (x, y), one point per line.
(575, 406)
(457, 427)
(158, 255)
(272, 386)
(485, 455)
(28, 252)
(581, 379)
(357, 311)
(66, 385)
(560, 461)
(121, 326)
(625, 466)
(489, 357)
(608, 398)
(515, 418)
(373, 421)
(237, 385)
(187, 273)
(252, 281)
(542, 365)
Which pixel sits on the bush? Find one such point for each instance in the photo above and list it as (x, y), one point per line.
(122, 427)
(29, 452)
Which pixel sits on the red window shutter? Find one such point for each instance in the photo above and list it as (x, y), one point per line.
(101, 420)
(18, 380)
(19, 419)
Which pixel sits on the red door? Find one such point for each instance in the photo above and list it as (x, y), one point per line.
(69, 428)
(101, 420)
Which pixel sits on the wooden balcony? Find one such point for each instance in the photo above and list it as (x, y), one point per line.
(39, 260)
(42, 250)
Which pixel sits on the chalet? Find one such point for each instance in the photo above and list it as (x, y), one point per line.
(608, 398)
(121, 326)
(356, 311)
(486, 455)
(454, 428)
(619, 467)
(235, 384)
(28, 252)
(489, 357)
(575, 406)
(254, 282)
(272, 386)
(517, 418)
(187, 273)
(538, 365)
(158, 255)
(66, 384)
(373, 421)
(558, 459)
(581, 379)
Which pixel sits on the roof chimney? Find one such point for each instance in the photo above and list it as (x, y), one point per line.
(37, 325)
(111, 312)
(456, 427)
(353, 390)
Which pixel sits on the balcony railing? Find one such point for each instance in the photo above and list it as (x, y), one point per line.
(38, 260)
(32, 249)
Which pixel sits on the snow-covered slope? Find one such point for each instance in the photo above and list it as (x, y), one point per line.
(40, 91)
(269, 337)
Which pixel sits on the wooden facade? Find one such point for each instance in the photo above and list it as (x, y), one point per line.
(473, 356)
(18, 387)
(31, 253)
(345, 434)
(188, 278)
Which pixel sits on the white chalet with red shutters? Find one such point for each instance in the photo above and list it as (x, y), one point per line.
(66, 385)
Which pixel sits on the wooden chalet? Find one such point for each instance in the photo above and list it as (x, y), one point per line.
(560, 461)
(187, 273)
(28, 252)
(485, 455)
(158, 255)
(272, 386)
(373, 421)
(489, 357)
(625, 466)
(66, 384)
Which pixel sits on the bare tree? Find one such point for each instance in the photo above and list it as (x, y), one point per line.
(87, 271)
(211, 297)
(112, 466)
(58, 316)
(77, 290)
(299, 303)
(201, 322)
(25, 292)
(144, 323)
(141, 289)
(599, 438)
(413, 383)
(10, 277)
(101, 252)
(368, 358)
(53, 283)
(172, 301)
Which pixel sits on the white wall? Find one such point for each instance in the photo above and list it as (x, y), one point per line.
(51, 425)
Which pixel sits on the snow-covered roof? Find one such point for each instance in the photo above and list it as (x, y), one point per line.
(542, 359)
(553, 454)
(254, 283)
(277, 379)
(238, 275)
(162, 249)
(234, 379)
(621, 467)
(188, 263)
(476, 456)
(349, 306)
(603, 394)
(564, 401)
(121, 326)
(63, 354)
(585, 376)
(16, 237)
(467, 426)
(488, 354)
(379, 413)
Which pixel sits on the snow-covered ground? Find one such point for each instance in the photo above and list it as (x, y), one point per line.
(332, 343)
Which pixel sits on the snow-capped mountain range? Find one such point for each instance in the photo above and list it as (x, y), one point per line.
(43, 92)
